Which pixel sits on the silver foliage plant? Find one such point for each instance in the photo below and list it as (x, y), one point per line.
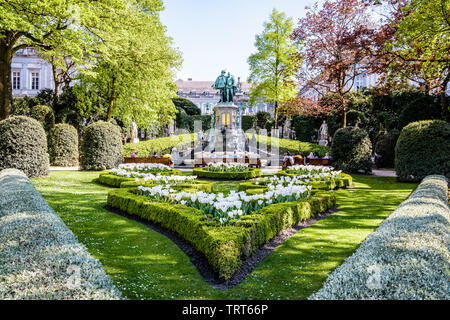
(407, 257)
(40, 258)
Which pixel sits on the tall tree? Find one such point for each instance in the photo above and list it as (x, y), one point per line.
(414, 45)
(337, 40)
(135, 67)
(40, 23)
(273, 67)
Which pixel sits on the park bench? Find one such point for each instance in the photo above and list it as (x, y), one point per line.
(165, 161)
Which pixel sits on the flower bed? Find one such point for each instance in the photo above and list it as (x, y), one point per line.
(318, 181)
(40, 258)
(223, 246)
(407, 257)
(142, 172)
(227, 171)
(226, 208)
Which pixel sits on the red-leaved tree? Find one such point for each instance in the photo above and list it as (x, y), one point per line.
(336, 42)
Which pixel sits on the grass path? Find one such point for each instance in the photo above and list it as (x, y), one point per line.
(146, 265)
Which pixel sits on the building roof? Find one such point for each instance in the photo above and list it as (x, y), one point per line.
(203, 86)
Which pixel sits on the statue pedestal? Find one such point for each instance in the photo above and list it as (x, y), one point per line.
(323, 142)
(227, 135)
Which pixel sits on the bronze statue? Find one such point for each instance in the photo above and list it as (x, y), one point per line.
(227, 86)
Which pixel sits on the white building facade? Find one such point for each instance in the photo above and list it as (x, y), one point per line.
(30, 73)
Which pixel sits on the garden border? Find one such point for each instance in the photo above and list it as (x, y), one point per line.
(344, 181)
(202, 172)
(225, 247)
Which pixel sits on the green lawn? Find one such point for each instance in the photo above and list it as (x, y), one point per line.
(146, 265)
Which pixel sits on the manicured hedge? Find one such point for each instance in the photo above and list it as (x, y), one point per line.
(204, 173)
(292, 145)
(199, 185)
(342, 181)
(406, 258)
(223, 246)
(352, 150)
(63, 145)
(40, 258)
(159, 145)
(101, 147)
(115, 181)
(23, 145)
(423, 148)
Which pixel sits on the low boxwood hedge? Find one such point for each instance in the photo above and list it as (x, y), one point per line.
(224, 247)
(342, 181)
(198, 185)
(115, 181)
(406, 258)
(40, 258)
(205, 173)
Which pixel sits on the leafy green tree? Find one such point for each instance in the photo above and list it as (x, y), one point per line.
(135, 67)
(272, 67)
(413, 46)
(72, 24)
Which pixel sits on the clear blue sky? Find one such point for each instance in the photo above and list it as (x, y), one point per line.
(217, 34)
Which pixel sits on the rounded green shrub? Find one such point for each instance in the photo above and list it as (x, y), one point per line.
(352, 150)
(63, 145)
(44, 114)
(385, 147)
(23, 145)
(422, 149)
(101, 146)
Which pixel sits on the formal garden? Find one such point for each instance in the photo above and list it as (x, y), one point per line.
(345, 197)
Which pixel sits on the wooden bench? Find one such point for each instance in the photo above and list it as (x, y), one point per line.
(298, 160)
(319, 162)
(166, 161)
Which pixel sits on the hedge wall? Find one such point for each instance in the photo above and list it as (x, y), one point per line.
(39, 254)
(63, 145)
(223, 246)
(23, 145)
(423, 148)
(204, 173)
(406, 258)
(160, 145)
(292, 145)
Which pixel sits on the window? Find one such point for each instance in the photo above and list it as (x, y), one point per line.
(35, 81)
(16, 80)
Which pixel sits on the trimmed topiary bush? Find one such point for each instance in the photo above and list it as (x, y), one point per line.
(101, 147)
(423, 148)
(23, 145)
(44, 114)
(63, 145)
(351, 150)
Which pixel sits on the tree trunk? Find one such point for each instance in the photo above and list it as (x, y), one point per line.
(345, 119)
(110, 109)
(444, 85)
(276, 115)
(6, 54)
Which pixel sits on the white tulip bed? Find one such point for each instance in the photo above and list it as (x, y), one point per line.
(40, 258)
(228, 167)
(407, 257)
(144, 167)
(155, 178)
(232, 206)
